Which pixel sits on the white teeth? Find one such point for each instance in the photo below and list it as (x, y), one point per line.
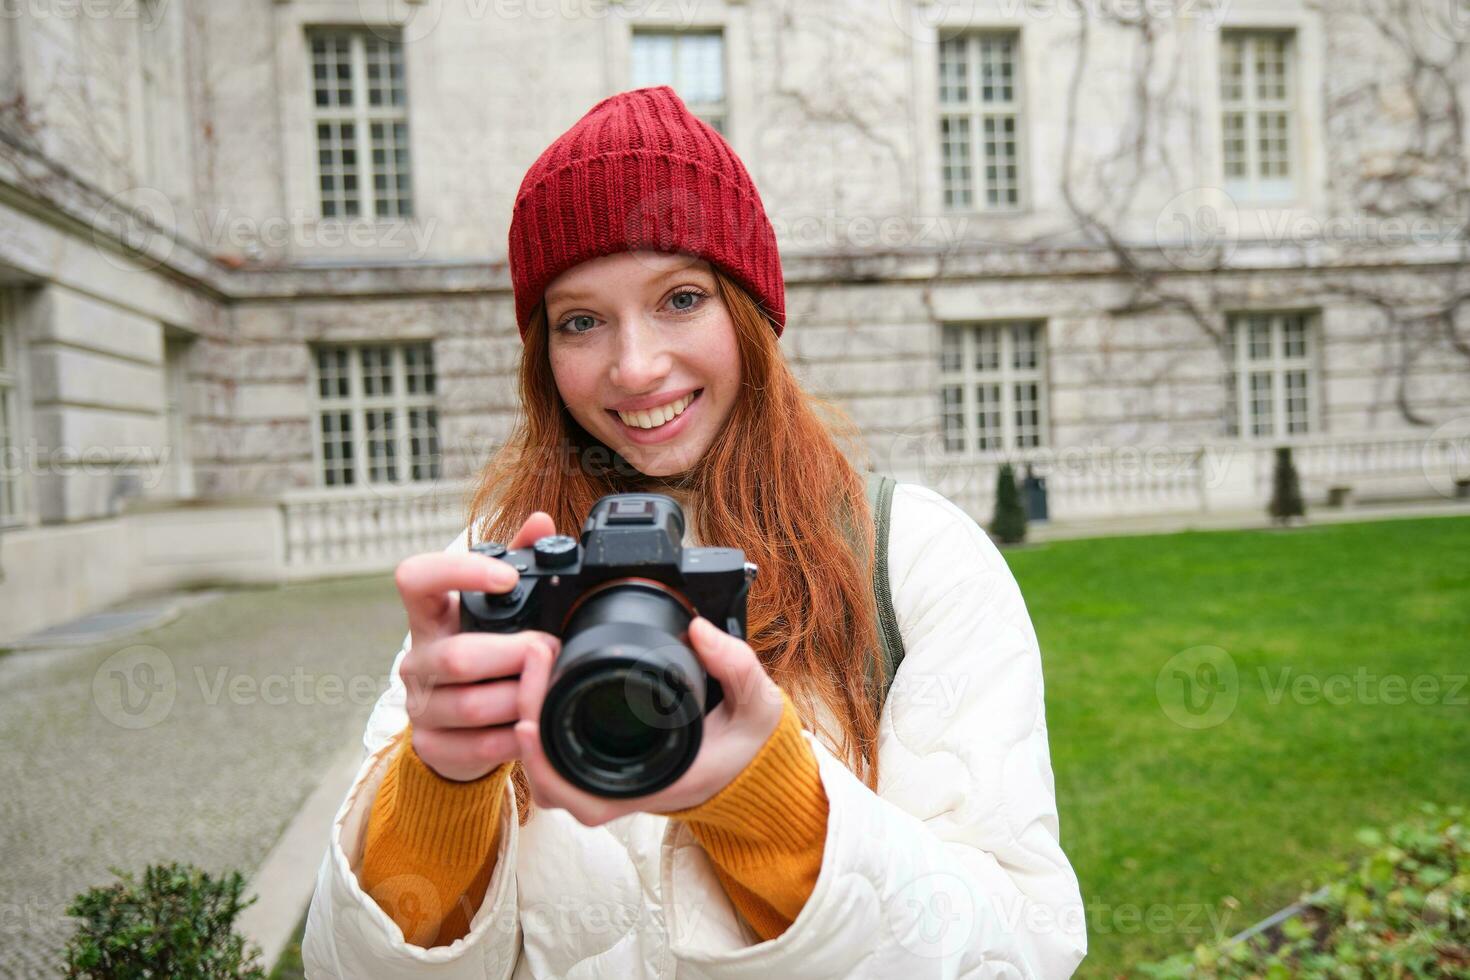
(654, 417)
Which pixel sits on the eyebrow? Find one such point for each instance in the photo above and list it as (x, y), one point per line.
(577, 295)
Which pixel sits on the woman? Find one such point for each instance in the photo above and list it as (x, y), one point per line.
(816, 834)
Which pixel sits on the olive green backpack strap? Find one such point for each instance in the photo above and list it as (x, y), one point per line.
(880, 499)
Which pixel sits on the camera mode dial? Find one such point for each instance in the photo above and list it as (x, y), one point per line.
(556, 551)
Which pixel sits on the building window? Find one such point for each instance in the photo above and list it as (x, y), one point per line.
(361, 117)
(376, 417)
(1257, 100)
(12, 472)
(979, 121)
(992, 388)
(1269, 376)
(692, 63)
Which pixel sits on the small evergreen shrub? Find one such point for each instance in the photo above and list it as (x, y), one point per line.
(1009, 524)
(177, 923)
(1286, 489)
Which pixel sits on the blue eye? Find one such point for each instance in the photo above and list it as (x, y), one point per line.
(569, 321)
(693, 295)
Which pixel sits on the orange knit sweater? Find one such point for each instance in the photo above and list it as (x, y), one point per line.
(431, 842)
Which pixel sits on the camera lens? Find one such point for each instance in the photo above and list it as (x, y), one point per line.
(624, 712)
(605, 720)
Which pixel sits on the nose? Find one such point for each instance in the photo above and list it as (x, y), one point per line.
(642, 359)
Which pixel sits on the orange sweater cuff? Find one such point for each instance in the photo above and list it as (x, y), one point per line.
(454, 824)
(776, 803)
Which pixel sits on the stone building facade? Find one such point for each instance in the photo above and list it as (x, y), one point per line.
(256, 322)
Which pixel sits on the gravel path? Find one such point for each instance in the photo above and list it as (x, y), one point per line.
(196, 741)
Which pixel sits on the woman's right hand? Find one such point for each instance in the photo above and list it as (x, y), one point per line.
(463, 691)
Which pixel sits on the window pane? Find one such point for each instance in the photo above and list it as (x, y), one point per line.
(954, 141)
(1028, 414)
(1232, 69)
(1262, 404)
(1271, 68)
(382, 447)
(988, 416)
(987, 349)
(377, 371)
(1000, 161)
(337, 457)
(701, 68)
(1296, 402)
(954, 71)
(1237, 158)
(1295, 336)
(332, 372)
(997, 69)
(653, 60)
(952, 417)
(1260, 338)
(424, 443)
(1023, 345)
(949, 348)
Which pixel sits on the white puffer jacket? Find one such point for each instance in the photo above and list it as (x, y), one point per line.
(952, 869)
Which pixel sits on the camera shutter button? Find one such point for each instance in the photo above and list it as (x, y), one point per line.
(556, 551)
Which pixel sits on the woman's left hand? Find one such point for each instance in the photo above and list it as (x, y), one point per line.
(733, 733)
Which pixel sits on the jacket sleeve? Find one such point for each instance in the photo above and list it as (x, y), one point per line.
(954, 868)
(349, 936)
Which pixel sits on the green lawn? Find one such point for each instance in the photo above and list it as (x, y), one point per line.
(1179, 828)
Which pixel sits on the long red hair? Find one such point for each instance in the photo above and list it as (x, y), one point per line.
(778, 482)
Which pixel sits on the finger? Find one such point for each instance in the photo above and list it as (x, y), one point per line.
(425, 581)
(550, 789)
(537, 526)
(470, 706)
(468, 753)
(730, 661)
(465, 658)
(535, 676)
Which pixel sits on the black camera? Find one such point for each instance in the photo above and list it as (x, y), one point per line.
(625, 706)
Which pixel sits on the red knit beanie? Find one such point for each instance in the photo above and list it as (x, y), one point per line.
(640, 171)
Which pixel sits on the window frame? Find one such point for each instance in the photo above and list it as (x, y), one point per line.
(358, 404)
(1006, 375)
(1240, 420)
(362, 116)
(976, 112)
(704, 110)
(1254, 187)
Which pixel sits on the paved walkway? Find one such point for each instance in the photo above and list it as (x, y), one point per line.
(196, 741)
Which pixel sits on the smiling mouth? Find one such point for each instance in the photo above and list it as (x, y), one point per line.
(650, 419)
